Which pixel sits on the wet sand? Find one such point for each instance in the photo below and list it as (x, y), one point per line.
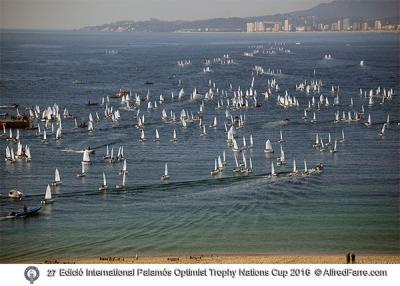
(230, 259)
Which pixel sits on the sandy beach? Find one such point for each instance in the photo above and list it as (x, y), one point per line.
(230, 259)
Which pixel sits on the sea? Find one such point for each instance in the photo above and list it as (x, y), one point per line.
(353, 205)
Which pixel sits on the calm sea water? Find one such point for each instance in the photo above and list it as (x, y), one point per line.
(352, 206)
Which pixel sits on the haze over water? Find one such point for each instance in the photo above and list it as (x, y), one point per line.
(351, 206)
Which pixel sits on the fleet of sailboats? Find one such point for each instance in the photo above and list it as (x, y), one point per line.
(234, 124)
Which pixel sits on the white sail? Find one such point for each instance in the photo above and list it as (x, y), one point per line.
(142, 135)
(47, 196)
(370, 101)
(244, 159)
(294, 166)
(124, 166)
(251, 163)
(107, 154)
(236, 161)
(104, 180)
(305, 166)
(28, 153)
(281, 136)
(235, 146)
(220, 162)
(83, 167)
(86, 157)
(369, 119)
(174, 136)
(383, 128)
(58, 133)
(157, 135)
(282, 156)
(166, 170)
(215, 165)
(251, 140)
(184, 124)
(8, 153)
(123, 179)
(57, 176)
(272, 169)
(19, 149)
(342, 135)
(90, 126)
(268, 146)
(44, 135)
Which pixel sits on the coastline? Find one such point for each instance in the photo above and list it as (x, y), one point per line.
(225, 259)
(274, 33)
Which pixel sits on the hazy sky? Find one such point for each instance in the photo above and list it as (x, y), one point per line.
(69, 14)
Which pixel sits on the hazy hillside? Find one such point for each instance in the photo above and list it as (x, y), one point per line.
(365, 10)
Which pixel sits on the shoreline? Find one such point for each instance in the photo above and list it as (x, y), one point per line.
(222, 259)
(270, 32)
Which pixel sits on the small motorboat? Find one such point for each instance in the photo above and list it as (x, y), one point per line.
(14, 194)
(10, 105)
(25, 213)
(91, 103)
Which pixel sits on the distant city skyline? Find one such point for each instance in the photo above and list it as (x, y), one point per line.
(72, 14)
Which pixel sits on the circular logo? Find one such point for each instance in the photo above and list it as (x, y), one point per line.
(31, 274)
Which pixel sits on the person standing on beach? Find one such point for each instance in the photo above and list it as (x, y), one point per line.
(348, 258)
(353, 258)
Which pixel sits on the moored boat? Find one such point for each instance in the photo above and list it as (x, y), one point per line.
(14, 194)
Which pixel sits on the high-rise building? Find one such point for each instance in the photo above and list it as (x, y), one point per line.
(356, 26)
(339, 25)
(259, 27)
(277, 27)
(365, 26)
(346, 24)
(378, 25)
(286, 25)
(250, 28)
(334, 27)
